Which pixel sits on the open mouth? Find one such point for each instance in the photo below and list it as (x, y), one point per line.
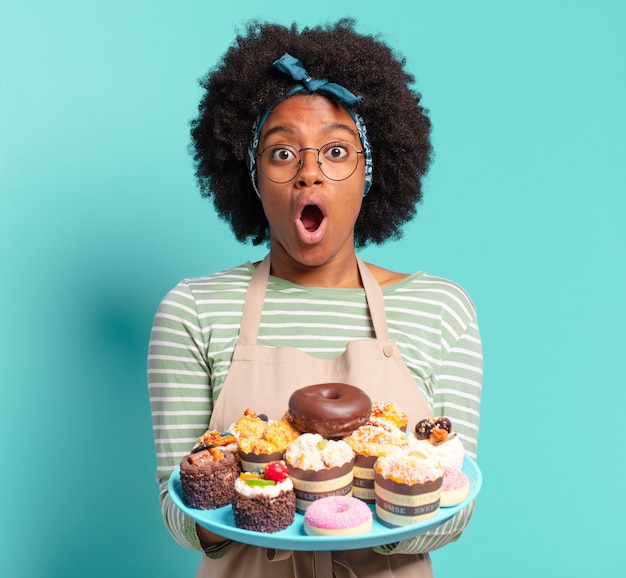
(311, 218)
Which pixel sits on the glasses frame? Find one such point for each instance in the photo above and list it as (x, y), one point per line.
(300, 162)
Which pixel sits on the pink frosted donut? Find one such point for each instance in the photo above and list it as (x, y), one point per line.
(454, 488)
(337, 516)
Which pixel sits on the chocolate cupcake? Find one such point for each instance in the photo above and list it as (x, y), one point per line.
(208, 478)
(264, 502)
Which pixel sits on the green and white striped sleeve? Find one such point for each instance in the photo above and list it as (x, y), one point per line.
(457, 395)
(180, 396)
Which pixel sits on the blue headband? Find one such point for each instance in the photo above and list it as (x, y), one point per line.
(307, 85)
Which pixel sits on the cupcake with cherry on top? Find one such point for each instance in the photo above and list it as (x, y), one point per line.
(264, 502)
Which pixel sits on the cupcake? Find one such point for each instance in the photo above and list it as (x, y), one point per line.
(407, 487)
(250, 423)
(368, 443)
(261, 441)
(454, 488)
(438, 435)
(388, 413)
(214, 438)
(207, 477)
(319, 468)
(264, 502)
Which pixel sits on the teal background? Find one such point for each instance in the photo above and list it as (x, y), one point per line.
(100, 216)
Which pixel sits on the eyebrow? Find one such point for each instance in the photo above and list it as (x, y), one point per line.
(279, 128)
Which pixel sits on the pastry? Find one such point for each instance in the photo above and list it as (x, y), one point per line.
(338, 516)
(318, 468)
(334, 410)
(264, 502)
(207, 477)
(407, 487)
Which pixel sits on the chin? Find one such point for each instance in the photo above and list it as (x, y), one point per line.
(307, 255)
(312, 258)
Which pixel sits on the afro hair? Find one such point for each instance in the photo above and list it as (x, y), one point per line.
(244, 83)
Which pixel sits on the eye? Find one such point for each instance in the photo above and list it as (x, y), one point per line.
(336, 151)
(282, 154)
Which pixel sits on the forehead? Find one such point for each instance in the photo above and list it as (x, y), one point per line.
(309, 115)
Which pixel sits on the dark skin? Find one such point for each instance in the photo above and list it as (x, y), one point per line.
(319, 252)
(322, 253)
(208, 538)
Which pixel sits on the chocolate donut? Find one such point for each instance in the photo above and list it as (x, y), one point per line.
(333, 410)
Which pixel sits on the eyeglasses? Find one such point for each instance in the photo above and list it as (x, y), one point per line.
(337, 160)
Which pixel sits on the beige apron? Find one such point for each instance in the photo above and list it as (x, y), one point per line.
(263, 378)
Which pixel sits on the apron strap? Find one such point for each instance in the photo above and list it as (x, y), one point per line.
(255, 298)
(375, 301)
(253, 305)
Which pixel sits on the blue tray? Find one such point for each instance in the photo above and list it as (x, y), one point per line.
(221, 521)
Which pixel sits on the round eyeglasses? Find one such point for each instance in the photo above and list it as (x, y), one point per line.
(337, 160)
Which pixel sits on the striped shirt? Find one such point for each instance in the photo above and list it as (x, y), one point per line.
(195, 331)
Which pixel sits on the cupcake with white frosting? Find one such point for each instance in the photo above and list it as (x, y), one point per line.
(319, 468)
(407, 487)
(264, 502)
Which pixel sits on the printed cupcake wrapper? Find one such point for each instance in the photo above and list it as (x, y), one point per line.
(363, 484)
(390, 516)
(407, 489)
(403, 504)
(251, 462)
(311, 485)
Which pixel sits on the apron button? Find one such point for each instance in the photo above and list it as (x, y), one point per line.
(387, 350)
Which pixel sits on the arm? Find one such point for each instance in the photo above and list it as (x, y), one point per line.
(180, 399)
(457, 395)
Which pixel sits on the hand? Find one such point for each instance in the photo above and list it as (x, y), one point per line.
(208, 538)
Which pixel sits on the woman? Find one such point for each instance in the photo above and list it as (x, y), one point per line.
(314, 142)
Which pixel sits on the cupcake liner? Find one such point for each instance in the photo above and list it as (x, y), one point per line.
(311, 485)
(363, 484)
(400, 504)
(251, 462)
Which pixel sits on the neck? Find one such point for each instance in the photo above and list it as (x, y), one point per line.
(342, 271)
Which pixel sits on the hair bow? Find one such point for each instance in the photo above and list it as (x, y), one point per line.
(294, 68)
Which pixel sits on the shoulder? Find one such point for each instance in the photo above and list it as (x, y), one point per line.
(426, 289)
(386, 277)
(226, 280)
(220, 285)
(235, 276)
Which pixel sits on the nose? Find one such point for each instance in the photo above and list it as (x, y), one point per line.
(310, 171)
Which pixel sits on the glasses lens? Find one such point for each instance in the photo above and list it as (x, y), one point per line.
(280, 163)
(337, 160)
